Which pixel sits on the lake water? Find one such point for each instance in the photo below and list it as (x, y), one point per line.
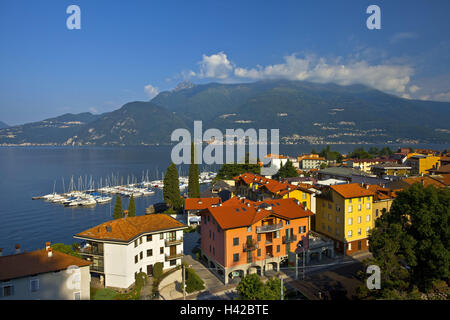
(32, 171)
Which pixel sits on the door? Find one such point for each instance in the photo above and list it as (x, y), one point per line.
(173, 250)
(150, 270)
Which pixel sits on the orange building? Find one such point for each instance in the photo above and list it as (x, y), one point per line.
(240, 236)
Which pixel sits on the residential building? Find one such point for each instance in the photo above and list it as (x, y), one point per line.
(436, 181)
(193, 206)
(390, 169)
(344, 214)
(382, 200)
(308, 162)
(420, 163)
(350, 175)
(256, 188)
(365, 165)
(44, 275)
(239, 236)
(122, 248)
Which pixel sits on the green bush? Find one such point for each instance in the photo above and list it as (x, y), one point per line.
(65, 248)
(158, 270)
(193, 281)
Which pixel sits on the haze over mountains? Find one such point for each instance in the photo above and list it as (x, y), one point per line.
(304, 112)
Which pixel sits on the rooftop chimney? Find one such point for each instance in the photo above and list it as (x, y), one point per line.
(50, 252)
(47, 245)
(17, 248)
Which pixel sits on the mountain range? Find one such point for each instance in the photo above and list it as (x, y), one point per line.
(304, 112)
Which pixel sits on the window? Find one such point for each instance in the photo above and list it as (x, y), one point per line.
(161, 236)
(135, 243)
(359, 207)
(367, 230)
(259, 237)
(208, 218)
(141, 255)
(235, 241)
(368, 217)
(329, 216)
(337, 219)
(350, 233)
(259, 253)
(161, 250)
(213, 235)
(359, 199)
(34, 285)
(323, 226)
(349, 246)
(214, 251)
(236, 257)
(210, 234)
(77, 295)
(329, 205)
(149, 252)
(136, 259)
(288, 222)
(140, 240)
(368, 206)
(303, 196)
(277, 234)
(350, 209)
(376, 213)
(359, 219)
(337, 231)
(278, 248)
(350, 221)
(359, 231)
(329, 229)
(149, 238)
(349, 200)
(173, 262)
(249, 229)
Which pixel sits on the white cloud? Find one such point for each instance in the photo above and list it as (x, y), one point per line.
(393, 78)
(414, 88)
(214, 66)
(93, 110)
(151, 91)
(399, 36)
(444, 96)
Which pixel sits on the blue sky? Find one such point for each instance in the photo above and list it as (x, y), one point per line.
(130, 50)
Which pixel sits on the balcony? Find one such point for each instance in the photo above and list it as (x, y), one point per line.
(269, 228)
(98, 269)
(289, 239)
(173, 241)
(91, 251)
(250, 246)
(174, 256)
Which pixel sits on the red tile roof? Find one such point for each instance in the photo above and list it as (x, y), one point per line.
(200, 203)
(126, 229)
(271, 185)
(236, 213)
(36, 262)
(351, 190)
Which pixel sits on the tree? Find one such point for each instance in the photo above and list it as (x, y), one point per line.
(287, 171)
(331, 155)
(131, 207)
(193, 281)
(230, 170)
(118, 208)
(194, 184)
(252, 288)
(171, 189)
(360, 153)
(411, 243)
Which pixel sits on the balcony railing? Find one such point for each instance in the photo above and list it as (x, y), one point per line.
(289, 239)
(173, 241)
(99, 269)
(174, 256)
(91, 251)
(269, 228)
(249, 246)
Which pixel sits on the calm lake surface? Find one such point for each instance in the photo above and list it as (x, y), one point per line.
(32, 171)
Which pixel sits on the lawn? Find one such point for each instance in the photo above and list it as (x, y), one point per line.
(104, 294)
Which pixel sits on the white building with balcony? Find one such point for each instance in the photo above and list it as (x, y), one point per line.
(122, 248)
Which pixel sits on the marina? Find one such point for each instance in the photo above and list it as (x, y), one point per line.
(86, 194)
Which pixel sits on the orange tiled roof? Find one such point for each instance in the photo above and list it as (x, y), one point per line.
(200, 203)
(351, 190)
(126, 229)
(381, 193)
(426, 181)
(36, 262)
(273, 186)
(236, 213)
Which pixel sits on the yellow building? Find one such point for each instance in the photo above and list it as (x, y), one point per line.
(344, 214)
(420, 163)
(382, 200)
